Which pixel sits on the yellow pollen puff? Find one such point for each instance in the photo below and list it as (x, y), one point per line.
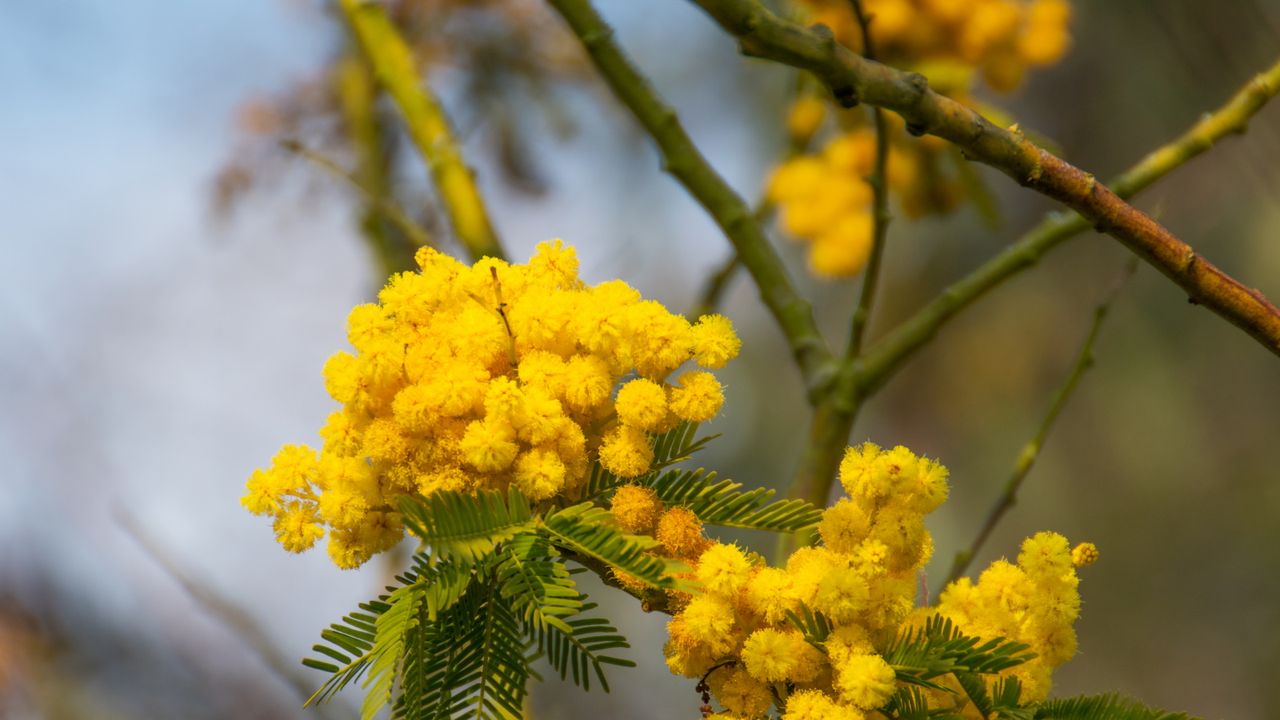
(636, 509)
(697, 396)
(297, 529)
(710, 621)
(844, 525)
(805, 117)
(680, 533)
(539, 474)
(641, 404)
(1084, 554)
(740, 693)
(817, 705)
(723, 570)
(626, 452)
(714, 341)
(488, 446)
(864, 681)
(775, 656)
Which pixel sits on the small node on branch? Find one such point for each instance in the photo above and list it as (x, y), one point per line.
(846, 96)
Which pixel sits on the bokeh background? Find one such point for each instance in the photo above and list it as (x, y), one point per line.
(171, 283)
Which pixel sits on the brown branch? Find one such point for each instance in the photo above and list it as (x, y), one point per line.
(853, 79)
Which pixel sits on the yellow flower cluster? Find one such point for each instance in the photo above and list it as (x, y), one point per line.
(1000, 38)
(824, 199)
(862, 578)
(1035, 602)
(734, 630)
(484, 377)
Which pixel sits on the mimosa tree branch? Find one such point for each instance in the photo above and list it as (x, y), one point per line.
(887, 355)
(854, 79)
(833, 420)
(392, 63)
(682, 159)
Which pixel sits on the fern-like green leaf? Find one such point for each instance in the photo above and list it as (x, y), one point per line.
(582, 648)
(467, 525)
(537, 583)
(350, 643)
(1006, 696)
(470, 663)
(815, 626)
(590, 530)
(1102, 707)
(918, 655)
(975, 686)
(722, 502)
(359, 638)
(392, 629)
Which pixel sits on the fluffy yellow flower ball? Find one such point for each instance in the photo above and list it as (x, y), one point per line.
(486, 377)
(817, 705)
(636, 509)
(864, 681)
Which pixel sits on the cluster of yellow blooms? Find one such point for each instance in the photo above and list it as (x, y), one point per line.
(483, 377)
(734, 631)
(824, 197)
(1000, 38)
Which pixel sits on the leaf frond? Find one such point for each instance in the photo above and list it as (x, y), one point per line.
(590, 530)
(582, 648)
(920, 654)
(537, 583)
(467, 525)
(724, 503)
(1110, 706)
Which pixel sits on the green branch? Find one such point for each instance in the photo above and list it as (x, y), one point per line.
(853, 79)
(887, 355)
(1031, 451)
(392, 61)
(682, 159)
(880, 206)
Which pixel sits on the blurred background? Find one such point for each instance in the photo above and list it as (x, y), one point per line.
(172, 281)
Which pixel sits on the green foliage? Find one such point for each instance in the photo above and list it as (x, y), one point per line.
(392, 629)
(467, 525)
(919, 655)
(815, 626)
(1101, 707)
(582, 647)
(491, 594)
(722, 502)
(537, 583)
(588, 530)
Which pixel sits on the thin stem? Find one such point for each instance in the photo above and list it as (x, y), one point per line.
(1031, 450)
(854, 79)
(392, 61)
(880, 206)
(884, 358)
(381, 204)
(717, 283)
(682, 159)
